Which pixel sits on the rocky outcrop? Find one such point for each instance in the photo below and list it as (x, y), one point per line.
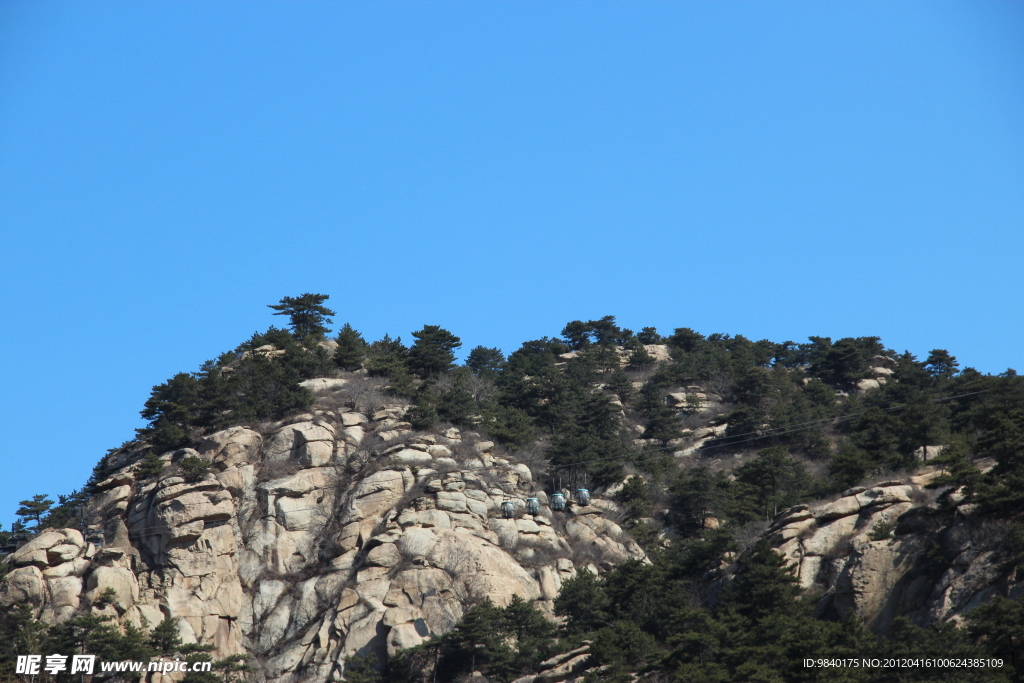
(881, 370)
(329, 534)
(569, 667)
(694, 400)
(47, 575)
(887, 551)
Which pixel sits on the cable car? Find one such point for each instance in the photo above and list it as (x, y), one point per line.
(508, 509)
(558, 501)
(532, 506)
(583, 496)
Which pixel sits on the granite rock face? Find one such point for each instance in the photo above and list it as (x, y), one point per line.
(872, 552)
(329, 534)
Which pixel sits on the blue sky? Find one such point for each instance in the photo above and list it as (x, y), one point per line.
(776, 170)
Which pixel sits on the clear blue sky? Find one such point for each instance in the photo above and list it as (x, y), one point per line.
(777, 170)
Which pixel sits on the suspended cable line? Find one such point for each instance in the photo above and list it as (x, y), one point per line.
(777, 431)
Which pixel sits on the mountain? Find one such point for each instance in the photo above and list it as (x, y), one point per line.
(332, 509)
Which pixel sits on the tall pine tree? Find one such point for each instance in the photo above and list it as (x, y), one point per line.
(351, 348)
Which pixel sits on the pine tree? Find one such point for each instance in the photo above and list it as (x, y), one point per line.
(649, 335)
(433, 351)
(774, 474)
(307, 314)
(844, 362)
(848, 466)
(577, 334)
(958, 471)
(662, 421)
(508, 425)
(167, 436)
(583, 601)
(607, 333)
(699, 493)
(485, 362)
(1003, 439)
(233, 668)
(165, 638)
(362, 669)
(1001, 622)
(20, 633)
(923, 423)
(456, 404)
(35, 508)
(19, 532)
(686, 340)
(640, 358)
(351, 349)
(619, 384)
(941, 364)
(764, 586)
(422, 415)
(635, 495)
(388, 358)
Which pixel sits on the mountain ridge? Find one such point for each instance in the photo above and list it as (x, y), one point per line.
(309, 503)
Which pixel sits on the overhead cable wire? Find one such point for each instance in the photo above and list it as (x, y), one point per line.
(768, 433)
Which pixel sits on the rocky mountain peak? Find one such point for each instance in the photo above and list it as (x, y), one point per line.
(328, 534)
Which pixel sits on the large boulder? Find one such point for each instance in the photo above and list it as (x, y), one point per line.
(377, 493)
(311, 443)
(185, 515)
(35, 551)
(65, 591)
(412, 456)
(354, 435)
(406, 635)
(866, 385)
(122, 583)
(300, 483)
(843, 507)
(482, 568)
(233, 446)
(64, 552)
(832, 538)
(113, 499)
(885, 495)
(24, 585)
(314, 443)
(322, 385)
(352, 419)
(384, 555)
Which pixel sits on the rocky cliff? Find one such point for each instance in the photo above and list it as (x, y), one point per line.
(332, 533)
(889, 551)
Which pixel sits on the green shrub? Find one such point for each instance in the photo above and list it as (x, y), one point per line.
(167, 436)
(881, 532)
(421, 416)
(194, 469)
(105, 598)
(636, 496)
(151, 466)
